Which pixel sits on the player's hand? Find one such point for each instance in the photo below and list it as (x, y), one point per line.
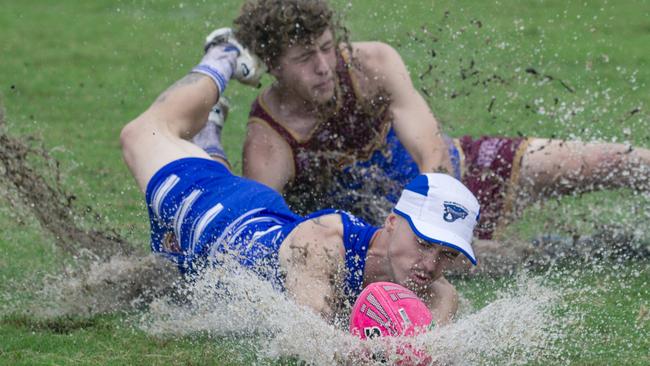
(248, 68)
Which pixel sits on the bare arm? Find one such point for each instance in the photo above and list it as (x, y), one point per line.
(268, 159)
(413, 121)
(312, 257)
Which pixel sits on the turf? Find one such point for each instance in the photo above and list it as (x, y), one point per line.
(72, 73)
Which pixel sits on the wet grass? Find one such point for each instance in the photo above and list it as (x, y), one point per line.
(106, 340)
(73, 73)
(605, 305)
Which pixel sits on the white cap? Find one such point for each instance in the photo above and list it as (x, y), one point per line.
(441, 210)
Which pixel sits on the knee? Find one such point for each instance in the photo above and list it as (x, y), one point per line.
(127, 136)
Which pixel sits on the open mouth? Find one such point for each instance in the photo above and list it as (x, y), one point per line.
(421, 278)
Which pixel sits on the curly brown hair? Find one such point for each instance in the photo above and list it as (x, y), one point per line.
(268, 27)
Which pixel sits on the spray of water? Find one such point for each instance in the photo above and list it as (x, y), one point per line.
(31, 181)
(232, 302)
(98, 286)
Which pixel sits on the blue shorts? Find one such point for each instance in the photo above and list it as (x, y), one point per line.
(199, 210)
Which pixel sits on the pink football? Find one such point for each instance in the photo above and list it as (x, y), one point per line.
(386, 309)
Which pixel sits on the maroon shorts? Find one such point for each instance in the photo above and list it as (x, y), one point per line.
(490, 169)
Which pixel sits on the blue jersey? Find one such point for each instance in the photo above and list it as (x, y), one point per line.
(391, 167)
(199, 210)
(370, 188)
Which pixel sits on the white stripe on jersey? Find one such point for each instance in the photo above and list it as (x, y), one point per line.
(260, 234)
(202, 222)
(229, 228)
(182, 212)
(256, 235)
(161, 192)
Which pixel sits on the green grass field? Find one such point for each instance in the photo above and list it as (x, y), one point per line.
(72, 73)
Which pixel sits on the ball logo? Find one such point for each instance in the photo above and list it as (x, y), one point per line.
(405, 317)
(372, 332)
(454, 211)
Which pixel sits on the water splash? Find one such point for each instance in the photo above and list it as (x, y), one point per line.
(30, 180)
(231, 302)
(94, 285)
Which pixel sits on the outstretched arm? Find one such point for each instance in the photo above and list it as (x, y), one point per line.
(413, 121)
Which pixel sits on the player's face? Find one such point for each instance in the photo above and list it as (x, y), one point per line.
(416, 263)
(308, 69)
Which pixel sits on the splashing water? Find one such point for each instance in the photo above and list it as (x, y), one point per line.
(230, 301)
(97, 286)
(40, 192)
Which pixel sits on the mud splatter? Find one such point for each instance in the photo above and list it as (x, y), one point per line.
(43, 195)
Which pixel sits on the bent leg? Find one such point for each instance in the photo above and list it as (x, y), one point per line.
(555, 167)
(158, 136)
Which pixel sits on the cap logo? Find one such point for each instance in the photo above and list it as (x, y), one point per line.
(454, 211)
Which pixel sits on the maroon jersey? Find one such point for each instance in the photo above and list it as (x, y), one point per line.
(353, 160)
(351, 134)
(491, 167)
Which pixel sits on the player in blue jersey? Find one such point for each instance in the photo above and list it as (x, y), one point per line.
(200, 211)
